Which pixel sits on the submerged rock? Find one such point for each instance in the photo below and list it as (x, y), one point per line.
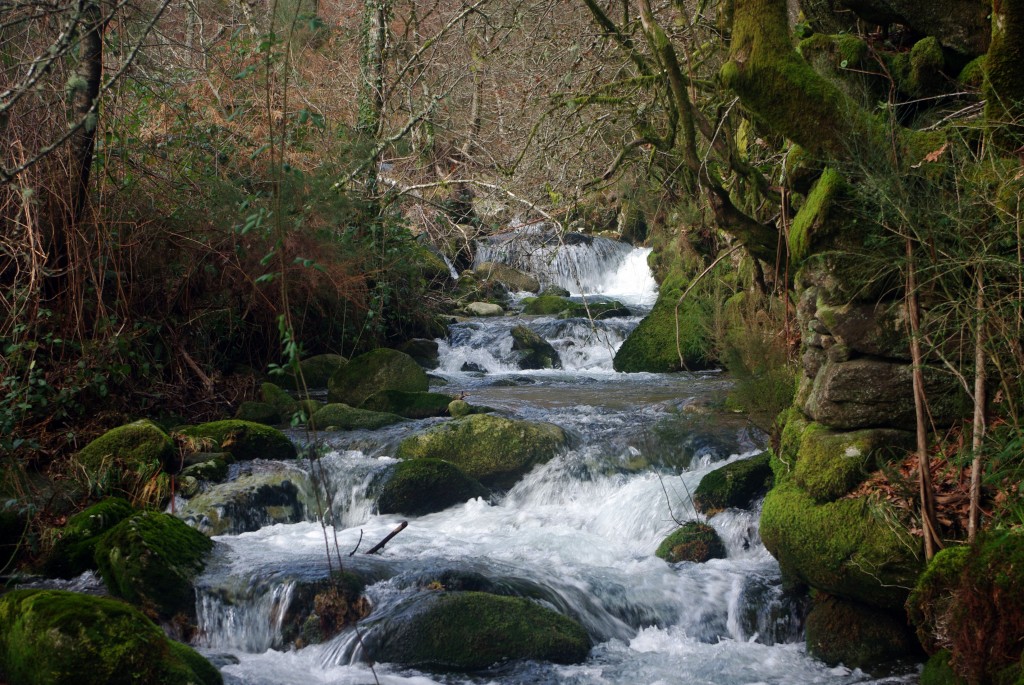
(494, 450)
(411, 405)
(734, 485)
(338, 416)
(66, 638)
(248, 503)
(511, 278)
(151, 559)
(369, 373)
(244, 440)
(470, 631)
(693, 541)
(423, 486)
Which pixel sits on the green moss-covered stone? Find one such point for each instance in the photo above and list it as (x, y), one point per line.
(258, 412)
(423, 351)
(931, 601)
(919, 72)
(73, 548)
(812, 220)
(832, 463)
(973, 73)
(251, 501)
(492, 449)
(459, 408)
(373, 372)
(151, 559)
(937, 671)
(423, 486)
(244, 440)
(734, 485)
(693, 541)
(546, 305)
(652, 344)
(276, 396)
(316, 371)
(534, 351)
(52, 637)
(511, 278)
(850, 548)
(411, 405)
(469, 631)
(337, 416)
(858, 636)
(214, 470)
(128, 460)
(564, 308)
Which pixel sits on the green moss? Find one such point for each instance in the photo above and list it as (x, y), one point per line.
(693, 541)
(494, 450)
(72, 552)
(852, 548)
(128, 460)
(337, 416)
(459, 408)
(469, 631)
(1004, 78)
(832, 463)
(784, 462)
(652, 344)
(931, 600)
(374, 371)
(411, 405)
(937, 671)
(973, 73)
(423, 486)
(151, 559)
(51, 637)
(276, 397)
(858, 636)
(244, 440)
(812, 221)
(546, 305)
(258, 412)
(733, 485)
(841, 51)
(214, 470)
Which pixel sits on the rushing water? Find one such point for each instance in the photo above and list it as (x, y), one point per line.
(577, 533)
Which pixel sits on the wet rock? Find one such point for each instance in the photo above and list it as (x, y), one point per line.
(535, 351)
(258, 412)
(424, 486)
(555, 291)
(316, 371)
(248, 503)
(66, 638)
(75, 543)
(511, 278)
(693, 541)
(151, 560)
(459, 408)
(338, 416)
(214, 469)
(244, 440)
(321, 609)
(484, 309)
(494, 450)
(857, 636)
(734, 485)
(381, 369)
(423, 351)
(652, 346)
(411, 405)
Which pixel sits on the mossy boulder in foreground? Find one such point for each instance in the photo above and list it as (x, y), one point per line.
(859, 636)
(75, 543)
(423, 486)
(338, 416)
(411, 405)
(693, 541)
(734, 485)
(52, 637)
(469, 631)
(652, 344)
(151, 559)
(374, 371)
(494, 450)
(244, 440)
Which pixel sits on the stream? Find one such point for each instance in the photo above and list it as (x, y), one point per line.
(577, 534)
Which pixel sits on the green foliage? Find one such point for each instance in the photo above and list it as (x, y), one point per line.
(693, 541)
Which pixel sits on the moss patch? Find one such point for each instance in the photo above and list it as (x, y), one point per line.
(858, 636)
(652, 344)
(374, 371)
(694, 541)
(337, 416)
(51, 637)
(735, 485)
(832, 463)
(128, 460)
(258, 412)
(411, 405)
(150, 559)
(244, 440)
(469, 631)
(812, 219)
(492, 449)
(423, 486)
(937, 671)
(72, 551)
(931, 601)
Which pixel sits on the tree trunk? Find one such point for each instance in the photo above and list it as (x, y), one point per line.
(974, 515)
(1004, 72)
(86, 91)
(371, 91)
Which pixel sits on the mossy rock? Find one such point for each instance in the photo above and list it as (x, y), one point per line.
(651, 346)
(128, 460)
(215, 470)
(244, 440)
(72, 552)
(734, 485)
(492, 449)
(471, 631)
(973, 73)
(859, 636)
(534, 351)
(411, 405)
(938, 671)
(258, 412)
(932, 600)
(563, 308)
(52, 637)
(511, 278)
(546, 305)
(849, 548)
(338, 416)
(249, 502)
(321, 609)
(369, 373)
(693, 541)
(423, 351)
(831, 464)
(276, 396)
(151, 559)
(459, 408)
(423, 486)
(316, 371)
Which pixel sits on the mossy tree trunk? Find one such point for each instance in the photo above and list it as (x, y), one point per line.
(1004, 72)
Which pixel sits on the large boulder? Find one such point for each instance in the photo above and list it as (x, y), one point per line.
(411, 405)
(423, 351)
(75, 543)
(151, 559)
(494, 450)
(316, 371)
(693, 541)
(381, 369)
(249, 502)
(54, 637)
(512, 278)
(338, 416)
(652, 346)
(534, 351)
(470, 631)
(258, 412)
(734, 485)
(244, 440)
(423, 486)
(128, 460)
(859, 636)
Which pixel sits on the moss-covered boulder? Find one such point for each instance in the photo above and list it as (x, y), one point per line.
(411, 405)
(494, 450)
(938, 671)
(734, 485)
(423, 486)
(258, 412)
(338, 416)
(812, 220)
(511, 278)
(52, 637)
(470, 631)
(652, 344)
(208, 466)
(316, 371)
(534, 351)
(75, 543)
(849, 548)
(693, 541)
(547, 305)
(128, 460)
(244, 440)
(932, 601)
(369, 373)
(249, 502)
(423, 351)
(859, 636)
(564, 308)
(459, 408)
(151, 559)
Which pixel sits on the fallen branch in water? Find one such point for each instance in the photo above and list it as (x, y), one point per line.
(380, 545)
